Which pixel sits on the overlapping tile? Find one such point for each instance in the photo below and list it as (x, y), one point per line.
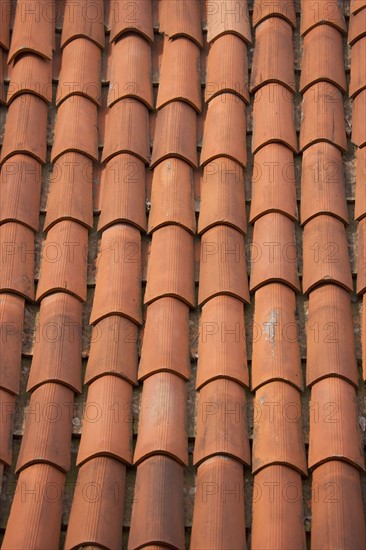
(125, 17)
(181, 18)
(83, 18)
(330, 13)
(357, 27)
(31, 74)
(358, 79)
(11, 319)
(263, 9)
(17, 259)
(360, 194)
(358, 135)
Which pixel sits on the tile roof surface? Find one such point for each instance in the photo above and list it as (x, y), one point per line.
(183, 274)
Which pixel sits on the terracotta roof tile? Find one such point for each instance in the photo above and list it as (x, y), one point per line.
(221, 422)
(5, 16)
(323, 49)
(358, 135)
(273, 182)
(64, 260)
(98, 504)
(280, 509)
(262, 9)
(180, 62)
(107, 420)
(322, 183)
(358, 78)
(168, 141)
(181, 18)
(222, 343)
(225, 130)
(47, 430)
(11, 322)
(227, 68)
(361, 256)
(160, 482)
(2, 74)
(172, 200)
(130, 70)
(25, 129)
(113, 349)
(275, 337)
(44, 533)
(357, 5)
(57, 346)
(80, 71)
(76, 128)
(273, 35)
(20, 190)
(325, 253)
(357, 27)
(166, 339)
(363, 335)
(31, 74)
(83, 18)
(17, 259)
(323, 118)
(7, 402)
(226, 17)
(218, 519)
(273, 117)
(119, 264)
(278, 435)
(273, 252)
(172, 254)
(223, 269)
(337, 518)
(334, 432)
(330, 13)
(125, 16)
(360, 193)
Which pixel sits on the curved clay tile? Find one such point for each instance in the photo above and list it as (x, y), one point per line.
(107, 420)
(165, 345)
(5, 16)
(325, 254)
(322, 55)
(275, 337)
(221, 342)
(118, 278)
(278, 434)
(113, 349)
(273, 182)
(225, 130)
(172, 254)
(127, 124)
(357, 27)
(26, 128)
(179, 73)
(20, 190)
(11, 321)
(357, 5)
(361, 256)
(273, 35)
(227, 68)
(162, 420)
(330, 12)
(57, 346)
(33, 29)
(330, 337)
(48, 426)
(322, 116)
(278, 504)
(334, 429)
(97, 508)
(125, 16)
(358, 78)
(322, 183)
(70, 195)
(181, 18)
(222, 266)
(363, 336)
(171, 142)
(80, 71)
(31, 74)
(274, 254)
(130, 71)
(172, 200)
(273, 117)
(360, 194)
(2, 73)
(337, 517)
(218, 517)
(222, 195)
(6, 434)
(17, 259)
(160, 488)
(83, 18)
(76, 128)
(262, 9)
(358, 136)
(227, 17)
(221, 422)
(64, 260)
(40, 517)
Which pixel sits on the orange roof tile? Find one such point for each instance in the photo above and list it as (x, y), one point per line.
(5, 15)
(357, 27)
(361, 256)
(226, 17)
(17, 259)
(180, 18)
(358, 135)
(11, 321)
(262, 9)
(7, 402)
(330, 13)
(357, 5)
(360, 193)
(125, 17)
(31, 74)
(83, 18)
(358, 78)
